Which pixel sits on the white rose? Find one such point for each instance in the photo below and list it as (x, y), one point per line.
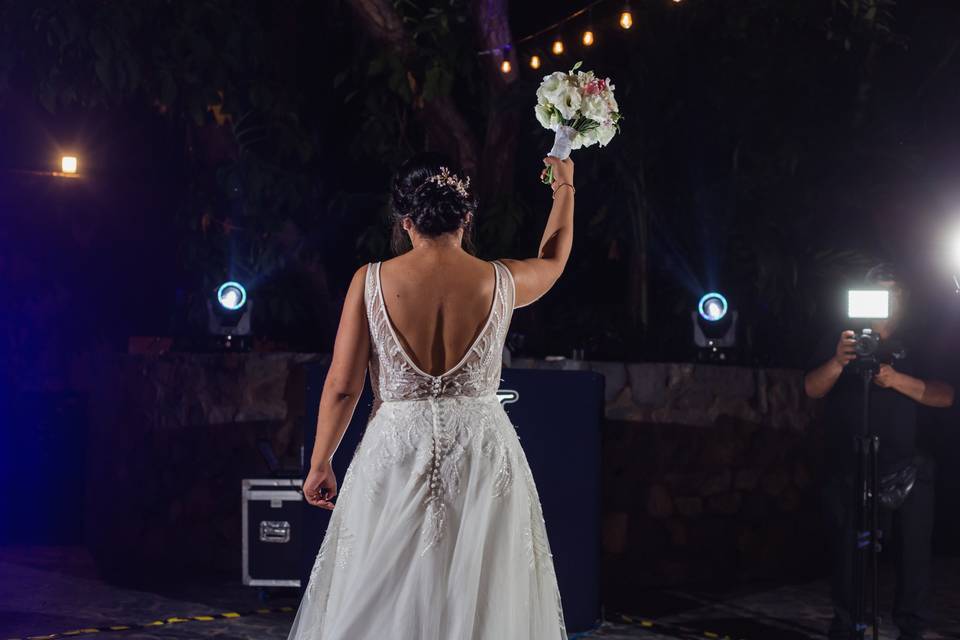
(586, 139)
(568, 103)
(595, 108)
(547, 116)
(552, 87)
(605, 133)
(608, 96)
(612, 103)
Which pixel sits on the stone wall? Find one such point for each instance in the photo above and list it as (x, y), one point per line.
(708, 474)
(171, 437)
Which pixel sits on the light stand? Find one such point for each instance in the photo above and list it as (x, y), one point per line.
(867, 540)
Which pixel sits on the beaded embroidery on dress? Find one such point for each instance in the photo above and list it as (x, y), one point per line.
(438, 532)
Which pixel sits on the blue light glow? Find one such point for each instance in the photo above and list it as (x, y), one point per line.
(712, 307)
(231, 295)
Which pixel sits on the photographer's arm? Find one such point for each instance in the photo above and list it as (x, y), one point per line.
(931, 393)
(818, 382)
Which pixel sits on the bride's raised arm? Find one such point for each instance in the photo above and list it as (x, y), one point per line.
(535, 276)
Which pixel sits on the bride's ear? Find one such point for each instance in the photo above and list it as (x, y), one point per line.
(407, 224)
(467, 219)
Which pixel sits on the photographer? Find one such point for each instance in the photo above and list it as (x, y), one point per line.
(900, 384)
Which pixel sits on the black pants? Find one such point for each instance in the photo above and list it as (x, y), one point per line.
(906, 533)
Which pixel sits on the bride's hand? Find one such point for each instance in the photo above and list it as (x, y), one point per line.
(320, 487)
(562, 171)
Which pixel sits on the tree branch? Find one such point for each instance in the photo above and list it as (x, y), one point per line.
(382, 22)
(493, 31)
(446, 128)
(503, 120)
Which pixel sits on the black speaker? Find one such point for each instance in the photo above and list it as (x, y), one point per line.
(558, 415)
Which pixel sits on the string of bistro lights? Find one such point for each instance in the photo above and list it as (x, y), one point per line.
(588, 38)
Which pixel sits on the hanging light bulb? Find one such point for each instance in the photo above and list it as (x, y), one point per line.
(557, 47)
(588, 37)
(505, 66)
(534, 62)
(626, 17)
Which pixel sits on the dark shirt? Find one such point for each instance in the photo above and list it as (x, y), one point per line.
(893, 416)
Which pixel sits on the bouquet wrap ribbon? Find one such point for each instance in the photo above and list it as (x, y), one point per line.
(562, 145)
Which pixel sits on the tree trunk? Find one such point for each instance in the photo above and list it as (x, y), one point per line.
(497, 159)
(446, 128)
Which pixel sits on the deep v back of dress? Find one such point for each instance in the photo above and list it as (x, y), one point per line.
(447, 319)
(393, 372)
(438, 531)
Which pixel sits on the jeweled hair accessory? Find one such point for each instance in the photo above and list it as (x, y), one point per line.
(446, 177)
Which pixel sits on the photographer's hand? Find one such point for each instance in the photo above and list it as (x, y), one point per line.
(818, 382)
(845, 353)
(888, 377)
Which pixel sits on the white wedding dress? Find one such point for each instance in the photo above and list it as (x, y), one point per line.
(437, 533)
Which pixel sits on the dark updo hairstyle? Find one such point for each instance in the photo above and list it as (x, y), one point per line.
(434, 208)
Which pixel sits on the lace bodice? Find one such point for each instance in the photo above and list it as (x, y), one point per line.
(395, 376)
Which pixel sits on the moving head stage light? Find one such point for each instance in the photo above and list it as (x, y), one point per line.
(714, 328)
(228, 317)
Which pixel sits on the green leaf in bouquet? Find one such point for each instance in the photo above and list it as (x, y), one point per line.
(576, 66)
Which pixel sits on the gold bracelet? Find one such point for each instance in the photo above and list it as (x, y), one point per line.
(563, 184)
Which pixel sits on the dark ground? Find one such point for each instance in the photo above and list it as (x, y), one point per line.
(51, 590)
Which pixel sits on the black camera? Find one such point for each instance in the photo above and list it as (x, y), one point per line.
(866, 344)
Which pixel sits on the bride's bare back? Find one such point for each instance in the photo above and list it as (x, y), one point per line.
(438, 302)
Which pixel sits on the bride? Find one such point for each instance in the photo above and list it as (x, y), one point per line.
(438, 532)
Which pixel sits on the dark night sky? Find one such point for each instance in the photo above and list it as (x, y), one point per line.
(106, 239)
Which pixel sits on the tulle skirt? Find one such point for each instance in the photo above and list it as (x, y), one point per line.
(437, 534)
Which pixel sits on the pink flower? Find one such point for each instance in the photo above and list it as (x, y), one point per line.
(593, 88)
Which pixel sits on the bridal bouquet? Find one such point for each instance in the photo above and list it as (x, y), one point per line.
(579, 108)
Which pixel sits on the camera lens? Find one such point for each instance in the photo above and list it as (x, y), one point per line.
(866, 344)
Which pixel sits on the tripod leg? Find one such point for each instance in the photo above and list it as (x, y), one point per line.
(874, 531)
(858, 617)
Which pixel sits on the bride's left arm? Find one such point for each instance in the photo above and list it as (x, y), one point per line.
(345, 378)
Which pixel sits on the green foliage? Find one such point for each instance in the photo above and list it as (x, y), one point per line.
(387, 89)
(209, 67)
(750, 138)
(753, 131)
